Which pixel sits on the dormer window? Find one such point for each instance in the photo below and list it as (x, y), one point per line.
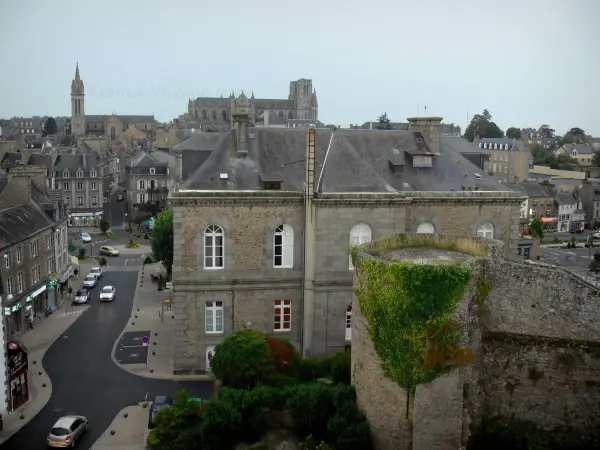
(480, 146)
(65, 174)
(396, 162)
(505, 146)
(152, 170)
(271, 181)
(93, 174)
(79, 174)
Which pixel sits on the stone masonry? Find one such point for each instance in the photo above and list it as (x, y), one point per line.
(536, 359)
(248, 284)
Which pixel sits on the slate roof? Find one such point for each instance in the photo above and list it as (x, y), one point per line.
(533, 189)
(38, 159)
(123, 118)
(72, 163)
(142, 162)
(565, 198)
(3, 181)
(582, 149)
(21, 222)
(460, 145)
(11, 159)
(200, 141)
(357, 161)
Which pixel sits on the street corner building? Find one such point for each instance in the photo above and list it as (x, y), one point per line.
(264, 224)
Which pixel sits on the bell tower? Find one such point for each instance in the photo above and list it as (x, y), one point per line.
(77, 105)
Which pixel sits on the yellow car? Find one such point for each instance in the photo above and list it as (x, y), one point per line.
(109, 251)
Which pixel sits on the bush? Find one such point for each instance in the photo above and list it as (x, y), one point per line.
(81, 252)
(149, 260)
(104, 225)
(176, 425)
(102, 261)
(341, 367)
(242, 360)
(133, 244)
(311, 406)
(336, 366)
(71, 247)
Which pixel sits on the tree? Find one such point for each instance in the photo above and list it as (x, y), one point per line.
(486, 115)
(536, 228)
(513, 133)
(50, 128)
(546, 132)
(596, 159)
(104, 225)
(242, 360)
(384, 122)
(162, 239)
(493, 131)
(574, 136)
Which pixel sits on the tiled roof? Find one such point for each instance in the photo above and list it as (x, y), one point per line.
(357, 160)
(72, 163)
(20, 222)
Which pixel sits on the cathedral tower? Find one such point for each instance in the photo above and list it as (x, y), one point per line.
(77, 105)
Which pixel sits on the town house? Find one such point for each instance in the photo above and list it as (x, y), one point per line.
(148, 180)
(263, 228)
(571, 215)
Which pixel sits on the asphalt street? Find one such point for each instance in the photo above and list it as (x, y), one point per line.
(84, 378)
(576, 260)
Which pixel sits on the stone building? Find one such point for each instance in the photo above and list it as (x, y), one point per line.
(33, 244)
(111, 126)
(535, 359)
(510, 159)
(252, 250)
(217, 112)
(148, 181)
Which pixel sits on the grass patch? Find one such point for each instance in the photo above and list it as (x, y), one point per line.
(110, 235)
(133, 244)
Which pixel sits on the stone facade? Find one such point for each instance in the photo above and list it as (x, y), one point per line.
(536, 360)
(248, 283)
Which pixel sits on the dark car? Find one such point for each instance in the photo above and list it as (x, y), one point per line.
(160, 401)
(120, 197)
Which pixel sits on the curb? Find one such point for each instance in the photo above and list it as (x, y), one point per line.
(150, 375)
(47, 391)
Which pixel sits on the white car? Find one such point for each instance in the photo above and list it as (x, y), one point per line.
(107, 294)
(90, 280)
(66, 431)
(596, 235)
(85, 238)
(97, 271)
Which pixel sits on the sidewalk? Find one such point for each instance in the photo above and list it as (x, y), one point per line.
(130, 431)
(37, 341)
(150, 314)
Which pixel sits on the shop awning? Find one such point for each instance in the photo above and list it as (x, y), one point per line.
(548, 219)
(75, 260)
(86, 214)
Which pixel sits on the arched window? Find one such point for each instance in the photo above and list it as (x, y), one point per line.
(213, 247)
(113, 133)
(349, 322)
(425, 228)
(204, 114)
(283, 247)
(359, 234)
(485, 230)
(281, 115)
(214, 114)
(290, 115)
(224, 115)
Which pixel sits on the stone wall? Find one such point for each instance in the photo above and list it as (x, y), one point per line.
(537, 359)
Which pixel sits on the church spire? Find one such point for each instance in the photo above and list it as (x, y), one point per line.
(77, 76)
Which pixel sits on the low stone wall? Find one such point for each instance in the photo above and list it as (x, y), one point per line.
(536, 341)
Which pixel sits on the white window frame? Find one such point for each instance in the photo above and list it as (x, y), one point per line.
(35, 275)
(213, 317)
(34, 249)
(7, 260)
(93, 186)
(80, 201)
(80, 185)
(9, 288)
(141, 198)
(212, 234)
(485, 230)
(152, 171)
(348, 331)
(20, 282)
(359, 234)
(19, 255)
(94, 200)
(426, 228)
(65, 174)
(141, 184)
(283, 247)
(93, 174)
(281, 309)
(79, 174)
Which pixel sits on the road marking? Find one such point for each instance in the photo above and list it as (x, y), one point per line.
(132, 346)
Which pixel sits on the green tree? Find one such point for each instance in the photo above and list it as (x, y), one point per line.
(547, 132)
(574, 136)
(162, 238)
(104, 225)
(536, 228)
(178, 426)
(493, 131)
(384, 122)
(596, 159)
(486, 115)
(242, 360)
(478, 125)
(513, 133)
(50, 128)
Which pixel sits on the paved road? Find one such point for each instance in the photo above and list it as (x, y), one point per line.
(574, 259)
(84, 378)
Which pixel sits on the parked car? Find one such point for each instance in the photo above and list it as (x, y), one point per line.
(107, 294)
(120, 197)
(160, 402)
(66, 431)
(85, 238)
(96, 271)
(108, 251)
(81, 296)
(90, 280)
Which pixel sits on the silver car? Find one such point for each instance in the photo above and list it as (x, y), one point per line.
(82, 296)
(90, 280)
(107, 294)
(66, 431)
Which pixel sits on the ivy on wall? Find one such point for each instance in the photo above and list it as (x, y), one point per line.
(410, 310)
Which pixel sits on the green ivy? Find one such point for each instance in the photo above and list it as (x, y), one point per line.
(408, 305)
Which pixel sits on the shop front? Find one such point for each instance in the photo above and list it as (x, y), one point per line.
(37, 300)
(550, 223)
(85, 219)
(16, 356)
(14, 314)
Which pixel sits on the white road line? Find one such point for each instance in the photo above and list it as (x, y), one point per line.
(131, 346)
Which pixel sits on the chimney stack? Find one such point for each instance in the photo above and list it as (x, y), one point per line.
(430, 128)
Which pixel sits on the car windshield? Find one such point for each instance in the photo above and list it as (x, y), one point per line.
(85, 235)
(90, 277)
(108, 248)
(81, 293)
(95, 269)
(59, 432)
(106, 290)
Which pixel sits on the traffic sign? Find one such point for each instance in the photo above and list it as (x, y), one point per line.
(145, 341)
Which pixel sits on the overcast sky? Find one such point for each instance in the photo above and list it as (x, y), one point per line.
(528, 62)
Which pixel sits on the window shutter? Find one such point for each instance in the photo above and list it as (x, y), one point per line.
(288, 248)
(138, 198)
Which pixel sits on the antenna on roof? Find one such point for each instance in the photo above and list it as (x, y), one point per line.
(425, 111)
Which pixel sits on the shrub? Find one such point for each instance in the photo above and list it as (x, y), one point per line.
(104, 225)
(341, 367)
(177, 424)
(310, 369)
(133, 244)
(81, 252)
(242, 360)
(102, 261)
(71, 247)
(148, 260)
(311, 406)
